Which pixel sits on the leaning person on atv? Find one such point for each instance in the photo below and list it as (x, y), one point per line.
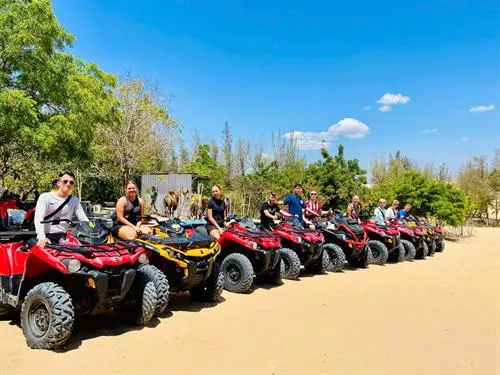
(129, 209)
(57, 204)
(269, 211)
(405, 212)
(354, 208)
(313, 210)
(216, 213)
(295, 202)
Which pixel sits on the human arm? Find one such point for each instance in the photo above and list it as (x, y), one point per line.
(40, 213)
(349, 212)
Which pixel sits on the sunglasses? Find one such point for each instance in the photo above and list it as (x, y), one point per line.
(314, 194)
(71, 182)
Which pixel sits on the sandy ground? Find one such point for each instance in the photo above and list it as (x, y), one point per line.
(435, 316)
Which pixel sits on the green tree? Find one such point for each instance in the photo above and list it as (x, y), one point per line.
(50, 101)
(337, 178)
(140, 140)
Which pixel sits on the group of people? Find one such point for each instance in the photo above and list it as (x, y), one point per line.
(381, 214)
(59, 203)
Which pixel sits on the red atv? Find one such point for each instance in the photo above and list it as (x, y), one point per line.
(413, 240)
(301, 246)
(245, 251)
(384, 241)
(52, 285)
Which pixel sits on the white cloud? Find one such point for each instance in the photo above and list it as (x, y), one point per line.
(348, 127)
(465, 139)
(482, 108)
(367, 108)
(430, 131)
(388, 100)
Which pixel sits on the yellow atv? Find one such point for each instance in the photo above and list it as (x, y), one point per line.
(188, 262)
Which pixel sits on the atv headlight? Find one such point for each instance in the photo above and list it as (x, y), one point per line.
(382, 234)
(73, 265)
(253, 244)
(342, 236)
(298, 239)
(143, 258)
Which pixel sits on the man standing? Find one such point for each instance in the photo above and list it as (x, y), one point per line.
(405, 212)
(269, 211)
(296, 203)
(392, 212)
(354, 208)
(57, 204)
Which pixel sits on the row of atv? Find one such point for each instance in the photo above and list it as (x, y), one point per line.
(87, 271)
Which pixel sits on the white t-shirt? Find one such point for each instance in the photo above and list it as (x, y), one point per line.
(48, 203)
(390, 214)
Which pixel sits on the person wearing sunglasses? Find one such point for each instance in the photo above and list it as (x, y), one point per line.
(63, 203)
(313, 210)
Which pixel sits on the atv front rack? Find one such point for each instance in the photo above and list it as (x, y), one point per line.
(194, 241)
(89, 248)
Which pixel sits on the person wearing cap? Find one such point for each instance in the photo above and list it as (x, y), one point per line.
(313, 210)
(296, 203)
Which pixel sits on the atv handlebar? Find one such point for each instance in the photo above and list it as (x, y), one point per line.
(57, 221)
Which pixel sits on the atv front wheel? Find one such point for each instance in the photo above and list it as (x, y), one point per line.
(290, 264)
(238, 273)
(337, 257)
(211, 290)
(380, 254)
(151, 273)
(47, 316)
(410, 250)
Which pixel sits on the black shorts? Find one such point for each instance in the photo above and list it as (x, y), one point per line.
(211, 227)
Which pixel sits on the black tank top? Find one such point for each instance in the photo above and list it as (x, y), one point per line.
(132, 210)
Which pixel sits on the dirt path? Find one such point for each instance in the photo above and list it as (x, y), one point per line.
(436, 316)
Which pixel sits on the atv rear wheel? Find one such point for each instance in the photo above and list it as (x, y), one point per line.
(440, 246)
(380, 254)
(410, 250)
(321, 264)
(363, 259)
(397, 255)
(290, 264)
(151, 273)
(238, 273)
(432, 248)
(274, 278)
(337, 257)
(211, 290)
(140, 303)
(47, 316)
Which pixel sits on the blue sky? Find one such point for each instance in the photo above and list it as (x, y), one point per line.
(315, 67)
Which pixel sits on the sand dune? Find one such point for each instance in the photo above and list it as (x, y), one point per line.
(435, 316)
